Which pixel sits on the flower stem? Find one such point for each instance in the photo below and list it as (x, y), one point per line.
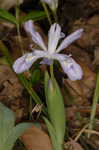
(18, 25)
(55, 15)
(51, 71)
(95, 101)
(47, 12)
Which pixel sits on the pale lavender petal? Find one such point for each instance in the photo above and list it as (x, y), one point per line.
(38, 40)
(60, 57)
(24, 63)
(62, 35)
(29, 28)
(72, 69)
(54, 36)
(69, 39)
(40, 53)
(47, 61)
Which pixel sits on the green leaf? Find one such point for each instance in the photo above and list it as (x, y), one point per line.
(15, 133)
(4, 14)
(51, 132)
(56, 110)
(30, 90)
(35, 76)
(34, 15)
(9, 133)
(7, 121)
(4, 50)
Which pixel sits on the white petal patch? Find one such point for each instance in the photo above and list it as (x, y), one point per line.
(60, 57)
(72, 69)
(54, 36)
(40, 53)
(69, 39)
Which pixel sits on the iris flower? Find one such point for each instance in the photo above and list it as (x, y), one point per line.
(53, 4)
(51, 52)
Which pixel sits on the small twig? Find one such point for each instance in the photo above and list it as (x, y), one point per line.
(80, 133)
(91, 131)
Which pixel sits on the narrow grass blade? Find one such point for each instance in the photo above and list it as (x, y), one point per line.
(94, 105)
(5, 15)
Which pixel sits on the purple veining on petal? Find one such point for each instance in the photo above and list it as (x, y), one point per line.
(46, 61)
(72, 69)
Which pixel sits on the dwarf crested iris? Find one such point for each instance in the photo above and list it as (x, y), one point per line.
(50, 52)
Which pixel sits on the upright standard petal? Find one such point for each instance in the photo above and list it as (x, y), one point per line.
(69, 39)
(72, 69)
(24, 63)
(54, 36)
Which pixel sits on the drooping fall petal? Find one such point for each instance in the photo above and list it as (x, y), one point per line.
(24, 63)
(72, 69)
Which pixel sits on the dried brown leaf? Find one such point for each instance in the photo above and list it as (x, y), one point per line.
(35, 139)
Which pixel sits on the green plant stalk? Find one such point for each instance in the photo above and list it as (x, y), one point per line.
(47, 12)
(21, 77)
(51, 71)
(30, 108)
(56, 112)
(5, 52)
(18, 25)
(55, 15)
(94, 105)
(30, 90)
